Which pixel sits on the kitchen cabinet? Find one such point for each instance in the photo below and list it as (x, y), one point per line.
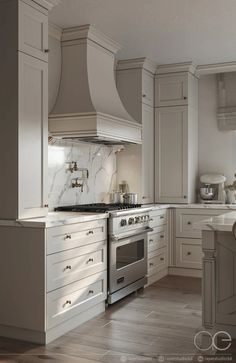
(61, 285)
(24, 111)
(157, 246)
(135, 84)
(176, 140)
(186, 242)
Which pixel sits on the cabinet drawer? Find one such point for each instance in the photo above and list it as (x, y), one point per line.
(188, 253)
(157, 239)
(186, 218)
(158, 218)
(157, 261)
(75, 298)
(171, 90)
(75, 264)
(33, 31)
(147, 89)
(75, 235)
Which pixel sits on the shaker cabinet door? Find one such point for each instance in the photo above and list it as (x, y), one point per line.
(171, 90)
(171, 155)
(148, 155)
(33, 136)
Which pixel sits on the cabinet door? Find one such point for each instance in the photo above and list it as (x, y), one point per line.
(171, 90)
(171, 155)
(33, 31)
(33, 136)
(148, 155)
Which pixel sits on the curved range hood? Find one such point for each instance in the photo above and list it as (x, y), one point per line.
(88, 106)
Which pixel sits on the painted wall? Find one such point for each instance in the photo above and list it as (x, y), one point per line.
(100, 161)
(217, 149)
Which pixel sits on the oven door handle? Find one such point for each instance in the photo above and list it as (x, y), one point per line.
(131, 234)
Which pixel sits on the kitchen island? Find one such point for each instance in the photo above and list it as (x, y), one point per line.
(219, 273)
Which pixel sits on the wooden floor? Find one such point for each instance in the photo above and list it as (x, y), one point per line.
(156, 325)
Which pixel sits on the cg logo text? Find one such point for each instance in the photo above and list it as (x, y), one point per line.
(211, 341)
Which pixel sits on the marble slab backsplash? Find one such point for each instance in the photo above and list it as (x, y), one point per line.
(100, 161)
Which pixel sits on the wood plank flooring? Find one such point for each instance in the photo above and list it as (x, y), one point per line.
(155, 325)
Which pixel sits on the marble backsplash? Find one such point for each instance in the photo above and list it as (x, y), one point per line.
(100, 161)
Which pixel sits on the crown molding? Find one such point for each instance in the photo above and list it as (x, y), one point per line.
(47, 4)
(216, 68)
(137, 63)
(176, 67)
(54, 31)
(89, 32)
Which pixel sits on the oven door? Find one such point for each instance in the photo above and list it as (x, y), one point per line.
(127, 260)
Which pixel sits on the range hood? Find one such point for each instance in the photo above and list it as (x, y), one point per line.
(88, 106)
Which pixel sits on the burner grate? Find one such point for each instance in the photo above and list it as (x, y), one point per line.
(97, 207)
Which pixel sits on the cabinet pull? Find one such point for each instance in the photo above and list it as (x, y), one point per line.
(45, 205)
(90, 232)
(68, 302)
(162, 217)
(68, 267)
(150, 219)
(151, 264)
(189, 253)
(46, 50)
(162, 236)
(90, 291)
(151, 240)
(189, 223)
(162, 258)
(90, 260)
(68, 236)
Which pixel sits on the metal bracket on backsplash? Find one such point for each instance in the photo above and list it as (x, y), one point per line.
(76, 183)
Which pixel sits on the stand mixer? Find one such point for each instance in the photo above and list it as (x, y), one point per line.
(212, 189)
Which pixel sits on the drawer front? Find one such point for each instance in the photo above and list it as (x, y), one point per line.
(75, 298)
(35, 41)
(157, 239)
(189, 253)
(185, 220)
(157, 261)
(171, 90)
(148, 89)
(68, 266)
(158, 218)
(75, 235)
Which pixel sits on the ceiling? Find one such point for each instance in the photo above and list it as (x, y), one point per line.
(166, 31)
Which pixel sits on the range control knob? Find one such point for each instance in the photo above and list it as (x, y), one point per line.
(131, 220)
(137, 219)
(123, 222)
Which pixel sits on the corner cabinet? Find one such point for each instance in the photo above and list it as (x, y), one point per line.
(135, 84)
(176, 138)
(24, 111)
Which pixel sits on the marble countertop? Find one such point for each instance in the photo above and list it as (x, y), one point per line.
(223, 223)
(54, 219)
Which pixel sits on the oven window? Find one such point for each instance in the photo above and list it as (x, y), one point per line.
(130, 253)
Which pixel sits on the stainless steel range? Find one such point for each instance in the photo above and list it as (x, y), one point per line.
(127, 246)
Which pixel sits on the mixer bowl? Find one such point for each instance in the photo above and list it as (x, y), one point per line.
(207, 193)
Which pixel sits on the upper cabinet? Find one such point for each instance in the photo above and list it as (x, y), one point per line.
(33, 31)
(135, 84)
(24, 110)
(176, 134)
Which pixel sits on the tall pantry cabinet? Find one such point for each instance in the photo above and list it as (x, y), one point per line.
(176, 133)
(135, 84)
(24, 108)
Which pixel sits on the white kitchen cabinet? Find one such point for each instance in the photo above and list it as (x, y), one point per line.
(33, 30)
(24, 110)
(189, 253)
(32, 134)
(53, 292)
(176, 138)
(135, 84)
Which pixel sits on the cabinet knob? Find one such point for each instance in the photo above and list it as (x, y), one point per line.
(162, 258)
(46, 50)
(188, 253)
(151, 240)
(162, 217)
(90, 291)
(162, 235)
(189, 223)
(185, 98)
(68, 267)
(68, 236)
(144, 95)
(185, 196)
(151, 264)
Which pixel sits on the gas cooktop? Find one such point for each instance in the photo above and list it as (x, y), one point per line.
(97, 207)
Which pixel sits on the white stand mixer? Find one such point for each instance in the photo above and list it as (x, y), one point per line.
(213, 190)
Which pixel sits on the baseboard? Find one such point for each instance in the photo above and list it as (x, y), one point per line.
(54, 333)
(180, 271)
(157, 276)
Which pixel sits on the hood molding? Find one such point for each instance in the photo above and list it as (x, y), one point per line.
(88, 104)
